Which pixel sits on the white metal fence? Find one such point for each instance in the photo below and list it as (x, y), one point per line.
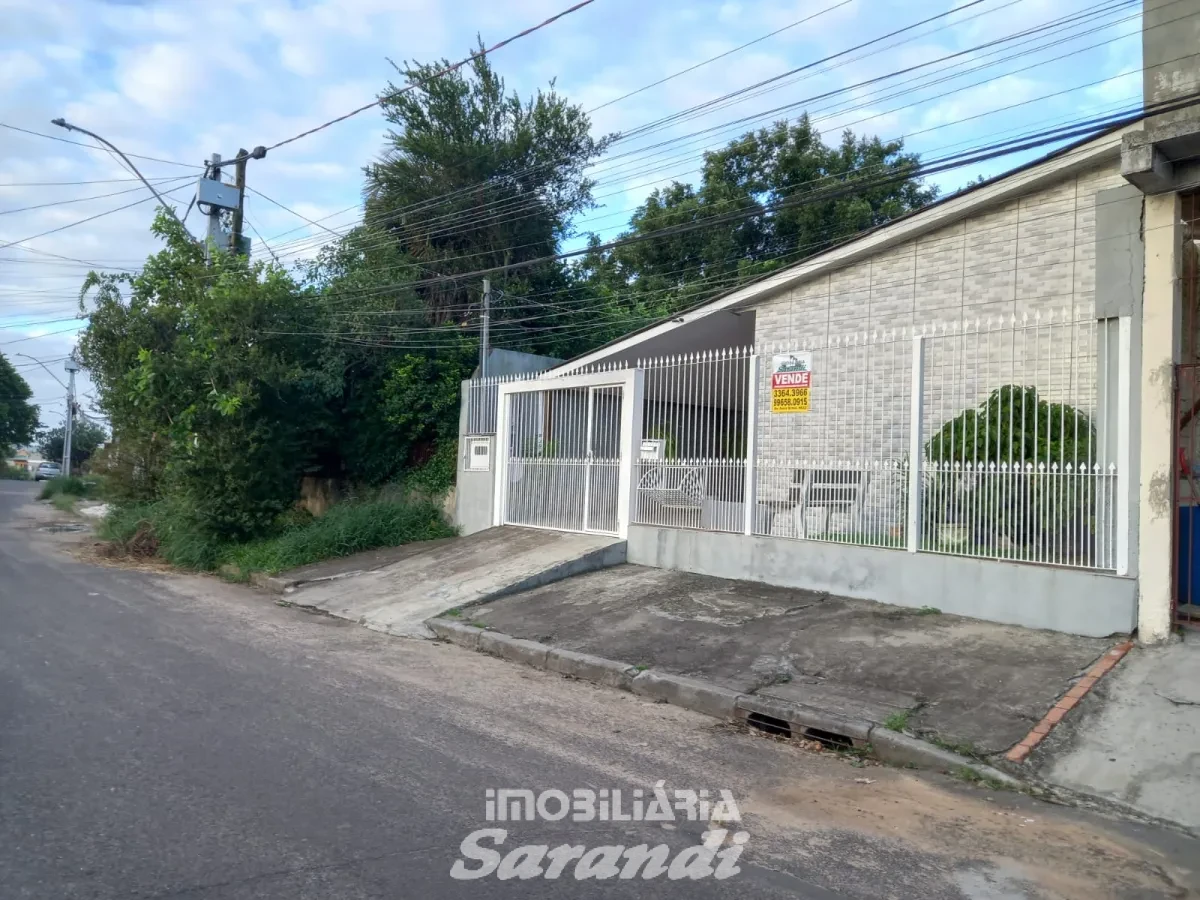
(834, 470)
(1014, 465)
(980, 440)
(563, 459)
(691, 471)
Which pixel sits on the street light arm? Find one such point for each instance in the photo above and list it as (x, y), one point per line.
(43, 365)
(63, 123)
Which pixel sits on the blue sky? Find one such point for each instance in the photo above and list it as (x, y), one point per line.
(180, 80)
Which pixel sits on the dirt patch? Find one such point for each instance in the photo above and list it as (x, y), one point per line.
(1072, 859)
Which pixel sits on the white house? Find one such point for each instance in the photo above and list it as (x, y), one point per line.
(970, 408)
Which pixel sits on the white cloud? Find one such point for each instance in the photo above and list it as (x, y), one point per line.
(152, 79)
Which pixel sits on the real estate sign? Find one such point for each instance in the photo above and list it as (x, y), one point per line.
(791, 381)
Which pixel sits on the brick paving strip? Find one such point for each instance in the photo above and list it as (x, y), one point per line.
(1068, 701)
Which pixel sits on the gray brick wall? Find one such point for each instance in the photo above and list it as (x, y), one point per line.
(1032, 256)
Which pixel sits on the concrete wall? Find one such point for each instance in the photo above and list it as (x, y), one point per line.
(474, 492)
(1068, 600)
(1170, 52)
(1033, 254)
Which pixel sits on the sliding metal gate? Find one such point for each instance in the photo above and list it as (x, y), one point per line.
(563, 466)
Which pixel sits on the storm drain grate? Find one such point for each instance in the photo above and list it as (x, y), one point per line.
(830, 739)
(770, 725)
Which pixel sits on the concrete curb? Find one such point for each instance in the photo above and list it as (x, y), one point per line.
(279, 584)
(722, 703)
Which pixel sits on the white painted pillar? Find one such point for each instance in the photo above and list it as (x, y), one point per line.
(916, 449)
(501, 449)
(750, 492)
(1125, 433)
(633, 397)
(1157, 493)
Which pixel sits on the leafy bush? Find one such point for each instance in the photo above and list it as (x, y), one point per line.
(64, 484)
(174, 533)
(347, 528)
(436, 475)
(12, 473)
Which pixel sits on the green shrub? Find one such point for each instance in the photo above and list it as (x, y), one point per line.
(64, 484)
(12, 473)
(436, 475)
(347, 528)
(174, 533)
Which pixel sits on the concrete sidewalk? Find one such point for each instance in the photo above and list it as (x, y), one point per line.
(404, 586)
(1135, 740)
(967, 684)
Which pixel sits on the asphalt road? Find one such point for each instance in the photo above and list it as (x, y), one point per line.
(175, 737)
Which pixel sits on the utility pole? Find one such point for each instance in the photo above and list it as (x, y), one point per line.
(68, 432)
(239, 182)
(216, 236)
(485, 321)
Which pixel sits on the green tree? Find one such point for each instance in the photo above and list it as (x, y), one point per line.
(475, 177)
(217, 377)
(86, 438)
(759, 175)
(18, 417)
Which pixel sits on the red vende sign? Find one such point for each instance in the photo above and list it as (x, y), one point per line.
(791, 379)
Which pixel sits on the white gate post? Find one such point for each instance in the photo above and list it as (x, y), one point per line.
(1125, 437)
(633, 398)
(750, 493)
(499, 494)
(915, 443)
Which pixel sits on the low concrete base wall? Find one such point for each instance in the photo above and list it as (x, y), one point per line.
(1060, 599)
(474, 495)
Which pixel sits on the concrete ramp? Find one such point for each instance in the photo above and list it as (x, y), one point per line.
(399, 597)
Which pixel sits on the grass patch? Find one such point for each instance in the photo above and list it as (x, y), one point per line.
(93, 487)
(12, 473)
(962, 748)
(641, 667)
(929, 611)
(347, 528)
(167, 530)
(64, 502)
(455, 613)
(897, 721)
(975, 777)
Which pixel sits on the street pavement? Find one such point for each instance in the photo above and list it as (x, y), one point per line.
(167, 736)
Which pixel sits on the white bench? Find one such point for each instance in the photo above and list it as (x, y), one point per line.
(674, 487)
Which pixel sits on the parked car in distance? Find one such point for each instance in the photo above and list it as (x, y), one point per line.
(47, 470)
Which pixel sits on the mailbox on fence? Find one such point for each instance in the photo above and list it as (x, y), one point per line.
(653, 450)
(479, 454)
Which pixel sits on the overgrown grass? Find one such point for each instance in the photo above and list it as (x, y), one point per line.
(345, 529)
(166, 530)
(92, 487)
(64, 502)
(897, 721)
(12, 473)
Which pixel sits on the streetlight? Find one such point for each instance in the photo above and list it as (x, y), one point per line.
(63, 123)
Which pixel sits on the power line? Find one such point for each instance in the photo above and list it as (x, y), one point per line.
(438, 74)
(713, 59)
(55, 137)
(8, 212)
(88, 219)
(496, 207)
(260, 238)
(292, 211)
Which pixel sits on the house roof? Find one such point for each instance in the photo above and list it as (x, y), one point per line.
(1074, 157)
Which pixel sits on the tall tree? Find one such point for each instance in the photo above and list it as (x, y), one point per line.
(775, 186)
(216, 377)
(475, 177)
(86, 438)
(18, 417)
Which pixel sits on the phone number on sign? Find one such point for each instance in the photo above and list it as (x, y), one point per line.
(789, 400)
